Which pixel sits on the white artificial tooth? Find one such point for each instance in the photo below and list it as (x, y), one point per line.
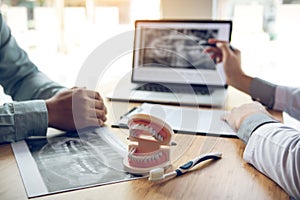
(153, 132)
(136, 159)
(132, 134)
(160, 137)
(154, 135)
(153, 157)
(145, 128)
(150, 159)
(136, 126)
(146, 159)
(156, 156)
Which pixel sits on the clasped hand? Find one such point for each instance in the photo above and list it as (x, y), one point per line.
(76, 108)
(237, 115)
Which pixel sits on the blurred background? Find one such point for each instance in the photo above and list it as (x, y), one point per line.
(58, 35)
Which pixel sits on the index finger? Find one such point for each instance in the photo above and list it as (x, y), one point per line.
(225, 116)
(214, 41)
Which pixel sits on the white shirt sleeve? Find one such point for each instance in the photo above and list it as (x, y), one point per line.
(287, 99)
(274, 150)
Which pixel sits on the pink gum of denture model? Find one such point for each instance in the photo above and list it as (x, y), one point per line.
(150, 141)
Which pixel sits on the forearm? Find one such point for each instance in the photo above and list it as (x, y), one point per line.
(276, 97)
(19, 77)
(274, 149)
(242, 82)
(20, 120)
(263, 91)
(35, 86)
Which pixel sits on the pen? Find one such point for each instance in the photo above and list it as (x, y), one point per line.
(130, 111)
(214, 45)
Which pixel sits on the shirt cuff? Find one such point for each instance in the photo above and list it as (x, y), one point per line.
(31, 118)
(280, 96)
(251, 123)
(263, 91)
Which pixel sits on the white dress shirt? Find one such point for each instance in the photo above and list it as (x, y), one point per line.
(272, 147)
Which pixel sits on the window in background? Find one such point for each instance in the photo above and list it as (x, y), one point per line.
(59, 34)
(267, 32)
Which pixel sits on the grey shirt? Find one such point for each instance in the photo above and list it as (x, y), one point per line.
(20, 78)
(272, 147)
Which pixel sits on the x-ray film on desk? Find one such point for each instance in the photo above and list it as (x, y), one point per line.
(70, 161)
(169, 65)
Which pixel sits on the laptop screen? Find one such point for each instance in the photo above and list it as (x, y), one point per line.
(171, 51)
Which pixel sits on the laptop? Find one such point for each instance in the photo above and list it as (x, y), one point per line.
(169, 65)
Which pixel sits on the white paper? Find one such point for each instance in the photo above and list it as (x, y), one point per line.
(29, 171)
(187, 119)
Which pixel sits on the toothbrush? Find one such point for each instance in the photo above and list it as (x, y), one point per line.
(158, 173)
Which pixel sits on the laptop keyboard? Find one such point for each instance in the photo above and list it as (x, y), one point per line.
(203, 90)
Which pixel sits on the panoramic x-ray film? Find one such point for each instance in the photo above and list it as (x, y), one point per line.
(178, 48)
(71, 161)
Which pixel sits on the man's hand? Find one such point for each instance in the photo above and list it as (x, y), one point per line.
(75, 108)
(231, 59)
(237, 115)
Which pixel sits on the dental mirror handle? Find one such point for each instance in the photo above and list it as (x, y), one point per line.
(187, 166)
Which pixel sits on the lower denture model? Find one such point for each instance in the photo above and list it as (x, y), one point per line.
(149, 147)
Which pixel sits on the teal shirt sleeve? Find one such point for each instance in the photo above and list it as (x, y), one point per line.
(22, 80)
(19, 77)
(19, 120)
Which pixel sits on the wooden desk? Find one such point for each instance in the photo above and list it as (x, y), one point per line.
(228, 178)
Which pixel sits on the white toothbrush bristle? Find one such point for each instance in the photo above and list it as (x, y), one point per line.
(156, 174)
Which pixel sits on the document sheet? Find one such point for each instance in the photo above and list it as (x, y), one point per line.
(192, 120)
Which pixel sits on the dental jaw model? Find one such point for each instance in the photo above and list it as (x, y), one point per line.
(150, 139)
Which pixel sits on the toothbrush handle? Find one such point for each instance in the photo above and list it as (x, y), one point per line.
(184, 168)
